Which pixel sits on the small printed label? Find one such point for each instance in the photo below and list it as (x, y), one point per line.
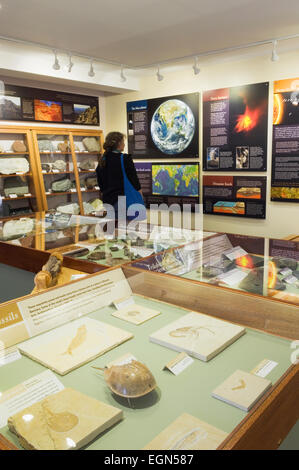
(122, 303)
(28, 195)
(56, 171)
(264, 368)
(290, 280)
(9, 355)
(179, 363)
(97, 188)
(235, 253)
(73, 190)
(44, 171)
(13, 196)
(78, 276)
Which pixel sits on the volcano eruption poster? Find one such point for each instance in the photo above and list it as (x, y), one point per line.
(235, 130)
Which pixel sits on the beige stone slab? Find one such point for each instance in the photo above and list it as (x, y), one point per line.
(74, 344)
(64, 421)
(198, 335)
(136, 314)
(242, 389)
(188, 433)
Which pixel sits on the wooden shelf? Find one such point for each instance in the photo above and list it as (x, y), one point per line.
(59, 173)
(12, 154)
(90, 191)
(15, 174)
(61, 194)
(15, 217)
(54, 152)
(86, 171)
(6, 199)
(87, 153)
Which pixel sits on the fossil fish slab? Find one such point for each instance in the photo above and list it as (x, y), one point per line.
(68, 347)
(63, 421)
(188, 433)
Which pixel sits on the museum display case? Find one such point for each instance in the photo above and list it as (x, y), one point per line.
(62, 157)
(254, 265)
(234, 384)
(19, 186)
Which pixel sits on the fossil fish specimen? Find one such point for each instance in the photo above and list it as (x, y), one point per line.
(241, 386)
(77, 340)
(60, 422)
(189, 440)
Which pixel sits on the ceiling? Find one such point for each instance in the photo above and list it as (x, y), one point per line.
(143, 32)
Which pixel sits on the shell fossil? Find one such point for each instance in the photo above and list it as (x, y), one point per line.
(132, 380)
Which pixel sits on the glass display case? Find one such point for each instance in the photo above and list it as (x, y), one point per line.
(254, 265)
(19, 183)
(87, 148)
(96, 339)
(58, 179)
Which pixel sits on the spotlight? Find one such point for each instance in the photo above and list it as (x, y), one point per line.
(91, 72)
(71, 64)
(56, 65)
(275, 56)
(122, 75)
(160, 77)
(195, 67)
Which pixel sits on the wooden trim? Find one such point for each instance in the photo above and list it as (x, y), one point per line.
(5, 444)
(263, 313)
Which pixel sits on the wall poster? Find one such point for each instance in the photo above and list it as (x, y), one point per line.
(235, 128)
(164, 127)
(285, 153)
(242, 196)
(33, 104)
(176, 183)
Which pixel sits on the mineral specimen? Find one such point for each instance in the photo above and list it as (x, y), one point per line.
(87, 164)
(62, 185)
(91, 144)
(18, 146)
(63, 147)
(91, 182)
(10, 166)
(69, 209)
(45, 145)
(15, 185)
(59, 165)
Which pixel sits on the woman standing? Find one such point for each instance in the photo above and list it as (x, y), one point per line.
(116, 172)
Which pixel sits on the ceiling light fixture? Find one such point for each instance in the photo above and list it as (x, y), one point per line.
(274, 56)
(71, 64)
(160, 77)
(195, 66)
(91, 72)
(122, 75)
(56, 65)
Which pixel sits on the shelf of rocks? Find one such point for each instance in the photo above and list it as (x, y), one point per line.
(15, 197)
(49, 193)
(16, 217)
(15, 174)
(12, 154)
(57, 172)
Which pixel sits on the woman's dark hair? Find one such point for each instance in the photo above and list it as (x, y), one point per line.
(113, 139)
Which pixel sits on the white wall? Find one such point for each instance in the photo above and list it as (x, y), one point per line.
(282, 218)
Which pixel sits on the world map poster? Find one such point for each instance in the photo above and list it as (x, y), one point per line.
(176, 183)
(165, 127)
(285, 149)
(235, 128)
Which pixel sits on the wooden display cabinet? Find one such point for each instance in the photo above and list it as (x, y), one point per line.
(263, 428)
(59, 153)
(14, 206)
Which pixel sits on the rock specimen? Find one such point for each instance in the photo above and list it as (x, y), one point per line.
(45, 145)
(15, 185)
(46, 167)
(91, 144)
(59, 165)
(63, 147)
(97, 255)
(69, 209)
(10, 166)
(48, 276)
(61, 186)
(14, 228)
(87, 164)
(18, 146)
(285, 263)
(63, 421)
(91, 182)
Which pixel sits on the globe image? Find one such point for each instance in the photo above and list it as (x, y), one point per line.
(172, 127)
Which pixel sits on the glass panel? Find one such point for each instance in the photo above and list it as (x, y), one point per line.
(17, 190)
(87, 151)
(58, 173)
